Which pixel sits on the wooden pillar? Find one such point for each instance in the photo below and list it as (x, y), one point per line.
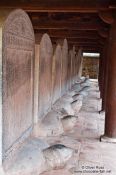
(105, 76)
(99, 76)
(101, 72)
(110, 121)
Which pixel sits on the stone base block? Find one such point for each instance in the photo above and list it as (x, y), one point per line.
(107, 139)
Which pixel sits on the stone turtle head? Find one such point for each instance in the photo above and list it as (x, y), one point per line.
(68, 117)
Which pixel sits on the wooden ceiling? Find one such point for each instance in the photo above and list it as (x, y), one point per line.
(77, 20)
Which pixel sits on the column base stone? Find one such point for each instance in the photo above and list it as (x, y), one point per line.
(107, 139)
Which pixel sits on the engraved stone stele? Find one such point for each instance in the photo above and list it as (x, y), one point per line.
(64, 80)
(77, 58)
(45, 75)
(69, 70)
(72, 67)
(74, 64)
(36, 83)
(38, 38)
(56, 74)
(77, 64)
(80, 63)
(76, 67)
(16, 80)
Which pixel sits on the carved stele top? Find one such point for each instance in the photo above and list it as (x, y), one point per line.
(46, 47)
(16, 29)
(65, 45)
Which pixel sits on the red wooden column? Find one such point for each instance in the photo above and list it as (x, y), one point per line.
(110, 122)
(107, 47)
(101, 72)
(105, 74)
(99, 76)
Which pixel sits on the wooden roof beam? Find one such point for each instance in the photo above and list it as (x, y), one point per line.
(68, 33)
(66, 25)
(88, 45)
(78, 40)
(90, 50)
(106, 16)
(91, 6)
(82, 43)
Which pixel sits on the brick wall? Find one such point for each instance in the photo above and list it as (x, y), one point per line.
(90, 67)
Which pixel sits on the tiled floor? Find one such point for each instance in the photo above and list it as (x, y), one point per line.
(91, 156)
